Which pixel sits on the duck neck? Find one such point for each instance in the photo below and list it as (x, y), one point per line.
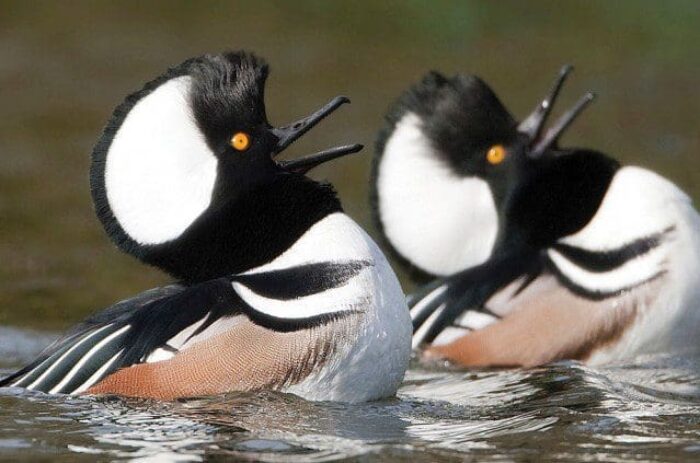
(247, 231)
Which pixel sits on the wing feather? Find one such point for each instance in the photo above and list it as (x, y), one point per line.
(158, 323)
(448, 298)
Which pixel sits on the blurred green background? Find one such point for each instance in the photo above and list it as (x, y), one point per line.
(65, 65)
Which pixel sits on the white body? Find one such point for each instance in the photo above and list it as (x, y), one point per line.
(375, 360)
(372, 347)
(160, 176)
(371, 362)
(640, 203)
(344, 336)
(650, 303)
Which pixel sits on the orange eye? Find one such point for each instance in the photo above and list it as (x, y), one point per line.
(240, 141)
(496, 154)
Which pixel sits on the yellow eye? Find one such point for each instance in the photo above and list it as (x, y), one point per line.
(496, 154)
(240, 141)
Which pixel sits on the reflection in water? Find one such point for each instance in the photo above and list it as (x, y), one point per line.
(648, 410)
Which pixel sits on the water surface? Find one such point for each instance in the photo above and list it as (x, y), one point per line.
(646, 411)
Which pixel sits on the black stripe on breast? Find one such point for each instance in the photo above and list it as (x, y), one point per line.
(288, 325)
(595, 295)
(605, 261)
(301, 281)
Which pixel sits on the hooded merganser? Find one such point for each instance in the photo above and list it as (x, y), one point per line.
(277, 289)
(541, 252)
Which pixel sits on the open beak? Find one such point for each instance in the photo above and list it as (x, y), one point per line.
(533, 125)
(290, 133)
(552, 135)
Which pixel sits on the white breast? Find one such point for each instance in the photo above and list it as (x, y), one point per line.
(639, 204)
(438, 220)
(630, 274)
(377, 356)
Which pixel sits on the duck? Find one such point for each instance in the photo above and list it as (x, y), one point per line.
(532, 252)
(275, 287)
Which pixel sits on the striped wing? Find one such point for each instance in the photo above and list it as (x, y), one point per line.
(449, 302)
(159, 323)
(453, 306)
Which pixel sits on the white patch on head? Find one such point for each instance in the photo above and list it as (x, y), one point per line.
(438, 220)
(160, 173)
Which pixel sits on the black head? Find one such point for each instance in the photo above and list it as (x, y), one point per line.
(557, 199)
(449, 165)
(184, 176)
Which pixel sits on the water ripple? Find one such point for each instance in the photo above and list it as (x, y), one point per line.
(645, 411)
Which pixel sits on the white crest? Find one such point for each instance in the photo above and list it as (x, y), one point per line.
(159, 173)
(440, 221)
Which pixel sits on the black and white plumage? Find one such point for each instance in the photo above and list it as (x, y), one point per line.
(158, 323)
(542, 252)
(277, 289)
(426, 188)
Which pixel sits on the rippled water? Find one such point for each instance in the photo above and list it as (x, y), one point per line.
(647, 411)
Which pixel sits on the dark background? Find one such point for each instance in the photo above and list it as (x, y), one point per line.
(64, 66)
